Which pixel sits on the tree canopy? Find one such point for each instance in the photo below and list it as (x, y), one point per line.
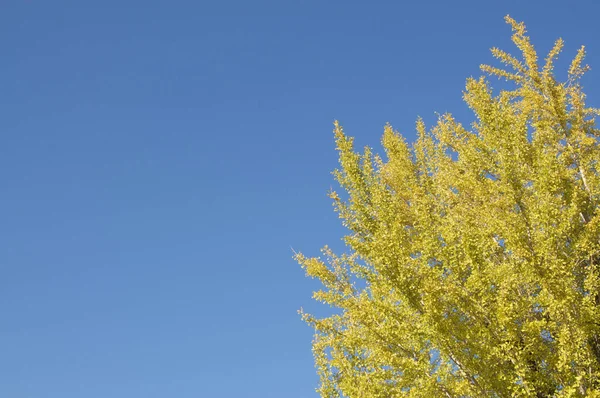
(473, 261)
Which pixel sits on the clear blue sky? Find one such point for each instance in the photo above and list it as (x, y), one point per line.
(159, 158)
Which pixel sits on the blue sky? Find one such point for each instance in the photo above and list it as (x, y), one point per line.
(159, 159)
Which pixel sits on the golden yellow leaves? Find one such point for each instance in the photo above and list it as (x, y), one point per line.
(474, 264)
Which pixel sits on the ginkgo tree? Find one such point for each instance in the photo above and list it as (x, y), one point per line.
(473, 261)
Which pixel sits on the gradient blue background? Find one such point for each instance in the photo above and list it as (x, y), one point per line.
(158, 159)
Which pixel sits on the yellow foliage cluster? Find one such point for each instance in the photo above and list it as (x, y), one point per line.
(479, 248)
